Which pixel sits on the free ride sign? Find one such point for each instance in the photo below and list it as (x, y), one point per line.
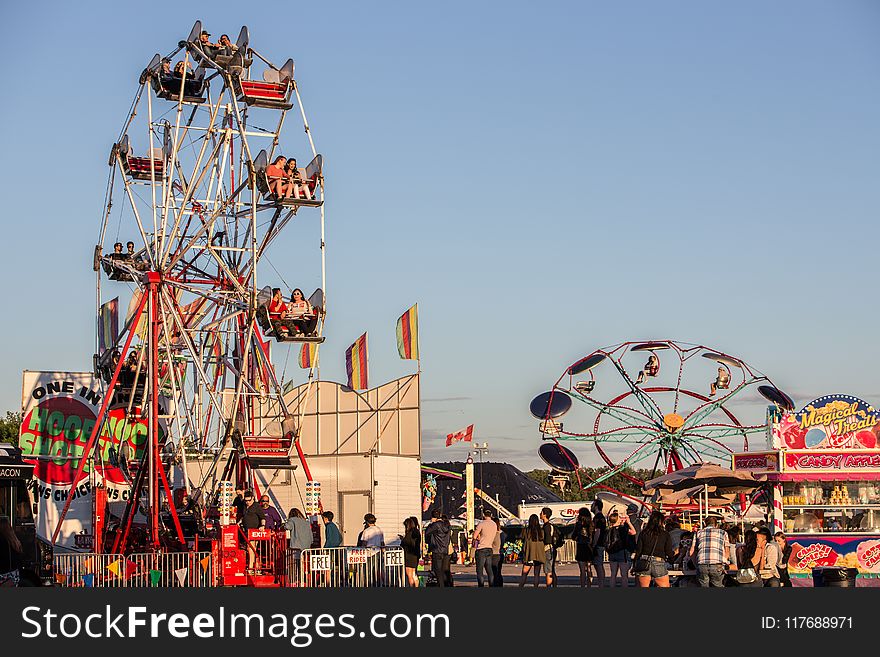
(393, 558)
(319, 562)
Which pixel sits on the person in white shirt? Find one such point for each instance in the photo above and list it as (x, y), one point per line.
(371, 536)
(301, 314)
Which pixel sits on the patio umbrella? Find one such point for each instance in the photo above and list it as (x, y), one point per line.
(688, 495)
(699, 481)
(723, 479)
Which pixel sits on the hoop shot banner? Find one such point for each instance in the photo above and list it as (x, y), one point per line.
(356, 364)
(408, 334)
(466, 435)
(59, 410)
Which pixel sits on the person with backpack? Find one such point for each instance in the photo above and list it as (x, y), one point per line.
(437, 536)
(533, 554)
(553, 540)
(617, 545)
(583, 539)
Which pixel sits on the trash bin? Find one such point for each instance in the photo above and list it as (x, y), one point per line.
(835, 577)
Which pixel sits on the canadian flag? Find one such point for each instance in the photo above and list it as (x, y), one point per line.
(466, 435)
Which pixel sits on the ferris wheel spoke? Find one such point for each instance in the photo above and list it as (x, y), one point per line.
(719, 432)
(701, 413)
(619, 413)
(639, 455)
(652, 410)
(177, 392)
(630, 435)
(710, 450)
(189, 343)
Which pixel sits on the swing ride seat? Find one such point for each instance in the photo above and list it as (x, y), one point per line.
(269, 330)
(272, 92)
(585, 387)
(258, 93)
(168, 88)
(268, 451)
(293, 337)
(115, 273)
(218, 56)
(309, 176)
(138, 168)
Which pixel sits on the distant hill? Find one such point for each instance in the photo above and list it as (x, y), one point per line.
(502, 479)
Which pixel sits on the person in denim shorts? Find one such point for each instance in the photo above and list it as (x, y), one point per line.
(653, 549)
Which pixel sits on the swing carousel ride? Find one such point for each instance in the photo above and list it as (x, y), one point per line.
(657, 404)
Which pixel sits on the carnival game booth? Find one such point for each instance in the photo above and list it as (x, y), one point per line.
(823, 463)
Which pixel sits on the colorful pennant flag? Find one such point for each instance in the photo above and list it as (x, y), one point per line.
(356, 364)
(88, 580)
(108, 325)
(155, 577)
(307, 355)
(466, 435)
(181, 575)
(113, 566)
(408, 334)
(204, 563)
(289, 385)
(60, 578)
(142, 326)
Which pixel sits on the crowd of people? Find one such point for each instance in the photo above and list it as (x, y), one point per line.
(648, 549)
(711, 556)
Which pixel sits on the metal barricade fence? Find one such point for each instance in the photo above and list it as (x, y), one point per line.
(169, 569)
(352, 567)
(567, 552)
(292, 567)
(84, 569)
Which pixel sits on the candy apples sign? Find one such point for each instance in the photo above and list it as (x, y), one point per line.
(808, 552)
(812, 556)
(829, 422)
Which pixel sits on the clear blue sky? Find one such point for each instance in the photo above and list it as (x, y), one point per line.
(543, 179)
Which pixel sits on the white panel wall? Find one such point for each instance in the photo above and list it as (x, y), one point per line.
(397, 495)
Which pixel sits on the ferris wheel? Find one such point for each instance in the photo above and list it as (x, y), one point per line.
(203, 182)
(656, 404)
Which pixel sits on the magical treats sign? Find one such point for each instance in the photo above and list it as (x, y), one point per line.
(829, 423)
